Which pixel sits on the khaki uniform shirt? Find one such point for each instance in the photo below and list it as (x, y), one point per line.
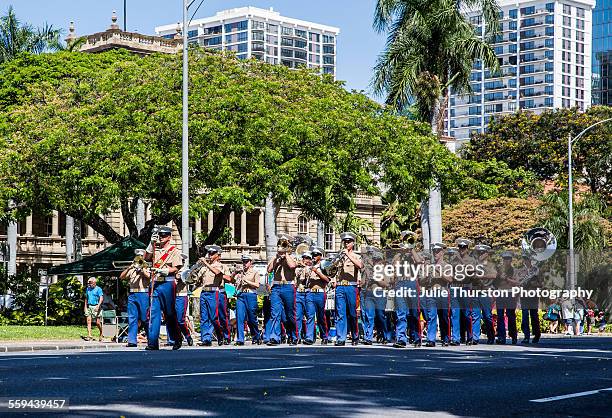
(467, 260)
(315, 282)
(283, 272)
(173, 260)
(137, 280)
(348, 271)
(247, 280)
(489, 270)
(209, 279)
(303, 277)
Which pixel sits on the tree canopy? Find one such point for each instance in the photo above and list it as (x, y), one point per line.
(538, 143)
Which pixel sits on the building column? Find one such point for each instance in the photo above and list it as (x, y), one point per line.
(140, 215)
(69, 239)
(198, 225)
(261, 235)
(243, 228)
(211, 220)
(90, 232)
(11, 232)
(29, 229)
(232, 226)
(55, 224)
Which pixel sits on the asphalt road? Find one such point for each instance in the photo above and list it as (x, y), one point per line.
(559, 377)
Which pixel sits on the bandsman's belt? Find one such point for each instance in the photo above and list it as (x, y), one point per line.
(182, 294)
(301, 288)
(316, 290)
(346, 283)
(211, 289)
(248, 291)
(281, 282)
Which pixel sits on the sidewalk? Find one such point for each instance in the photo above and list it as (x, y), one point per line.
(20, 346)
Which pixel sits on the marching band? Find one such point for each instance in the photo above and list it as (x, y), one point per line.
(311, 295)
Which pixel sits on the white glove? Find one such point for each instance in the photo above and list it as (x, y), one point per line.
(162, 272)
(150, 248)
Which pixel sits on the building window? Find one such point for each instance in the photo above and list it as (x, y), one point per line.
(580, 24)
(512, 106)
(528, 10)
(567, 9)
(550, 19)
(259, 25)
(512, 26)
(287, 31)
(272, 28)
(328, 49)
(513, 13)
(580, 12)
(328, 39)
(579, 36)
(300, 33)
(315, 37)
(329, 238)
(237, 26)
(567, 21)
(550, 7)
(302, 225)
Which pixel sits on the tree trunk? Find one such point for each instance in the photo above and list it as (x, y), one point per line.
(219, 225)
(69, 239)
(270, 227)
(145, 233)
(128, 217)
(425, 224)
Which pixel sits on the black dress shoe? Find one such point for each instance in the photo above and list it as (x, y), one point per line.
(292, 342)
(227, 342)
(384, 342)
(205, 343)
(525, 341)
(455, 343)
(169, 344)
(272, 343)
(535, 340)
(177, 345)
(500, 342)
(151, 348)
(417, 343)
(132, 345)
(514, 341)
(189, 341)
(399, 344)
(324, 342)
(366, 342)
(475, 342)
(239, 343)
(470, 342)
(339, 343)
(430, 344)
(444, 343)
(491, 341)
(308, 342)
(355, 342)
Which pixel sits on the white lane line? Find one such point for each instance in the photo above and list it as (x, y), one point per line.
(568, 356)
(114, 377)
(570, 395)
(235, 371)
(28, 358)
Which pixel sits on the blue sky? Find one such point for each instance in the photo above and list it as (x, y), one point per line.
(358, 43)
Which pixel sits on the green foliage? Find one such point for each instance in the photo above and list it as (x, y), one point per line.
(589, 228)
(16, 37)
(431, 48)
(538, 143)
(499, 222)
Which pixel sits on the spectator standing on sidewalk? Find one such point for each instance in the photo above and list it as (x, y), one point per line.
(94, 296)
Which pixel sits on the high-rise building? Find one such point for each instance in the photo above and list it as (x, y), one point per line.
(265, 35)
(602, 53)
(544, 51)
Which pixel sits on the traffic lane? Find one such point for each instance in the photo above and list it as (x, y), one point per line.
(360, 369)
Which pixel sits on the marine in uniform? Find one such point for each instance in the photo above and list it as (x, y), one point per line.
(373, 301)
(528, 275)
(166, 263)
(182, 305)
(315, 300)
(283, 295)
(466, 304)
(138, 299)
(407, 306)
(347, 291)
(439, 278)
(247, 283)
(482, 307)
(212, 278)
(303, 274)
(506, 279)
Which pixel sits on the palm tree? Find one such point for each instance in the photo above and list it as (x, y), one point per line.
(431, 49)
(16, 37)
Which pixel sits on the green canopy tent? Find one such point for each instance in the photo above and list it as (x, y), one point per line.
(103, 262)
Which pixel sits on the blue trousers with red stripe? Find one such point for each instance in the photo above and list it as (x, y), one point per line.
(224, 319)
(182, 302)
(346, 312)
(315, 307)
(407, 309)
(209, 315)
(164, 294)
(373, 311)
(300, 311)
(282, 299)
(246, 310)
(138, 310)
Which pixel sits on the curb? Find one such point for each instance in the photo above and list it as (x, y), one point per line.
(32, 348)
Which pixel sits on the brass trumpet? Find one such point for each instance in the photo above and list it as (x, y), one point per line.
(138, 263)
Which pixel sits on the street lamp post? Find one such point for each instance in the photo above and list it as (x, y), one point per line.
(570, 187)
(185, 143)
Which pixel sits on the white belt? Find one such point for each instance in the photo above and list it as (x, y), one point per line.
(316, 290)
(182, 294)
(139, 291)
(247, 291)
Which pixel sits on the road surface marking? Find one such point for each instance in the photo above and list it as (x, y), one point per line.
(28, 358)
(235, 371)
(570, 395)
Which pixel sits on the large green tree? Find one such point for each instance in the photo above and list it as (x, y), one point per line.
(538, 143)
(16, 37)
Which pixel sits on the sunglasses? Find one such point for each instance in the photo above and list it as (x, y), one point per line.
(164, 234)
(211, 252)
